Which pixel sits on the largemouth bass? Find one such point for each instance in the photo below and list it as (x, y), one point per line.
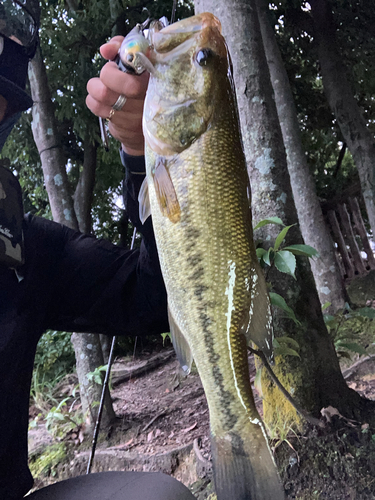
(197, 191)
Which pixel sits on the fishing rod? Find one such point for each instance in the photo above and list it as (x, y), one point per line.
(131, 69)
(105, 386)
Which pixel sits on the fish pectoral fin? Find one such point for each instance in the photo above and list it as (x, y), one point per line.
(144, 202)
(180, 345)
(165, 192)
(258, 324)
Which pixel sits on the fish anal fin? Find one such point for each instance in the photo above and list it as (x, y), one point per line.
(257, 323)
(144, 202)
(165, 192)
(180, 345)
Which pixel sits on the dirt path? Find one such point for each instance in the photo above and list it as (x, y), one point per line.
(163, 424)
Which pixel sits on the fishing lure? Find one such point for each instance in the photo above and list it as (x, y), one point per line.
(132, 58)
(132, 54)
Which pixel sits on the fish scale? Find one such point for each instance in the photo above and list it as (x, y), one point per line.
(198, 198)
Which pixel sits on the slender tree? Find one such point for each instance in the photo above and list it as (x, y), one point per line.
(64, 210)
(49, 146)
(359, 139)
(329, 283)
(315, 379)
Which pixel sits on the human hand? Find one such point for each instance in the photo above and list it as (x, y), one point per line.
(126, 124)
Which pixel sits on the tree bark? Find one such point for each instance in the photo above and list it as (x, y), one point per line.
(84, 192)
(340, 97)
(47, 140)
(87, 346)
(327, 275)
(89, 356)
(315, 380)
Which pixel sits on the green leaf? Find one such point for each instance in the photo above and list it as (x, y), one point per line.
(258, 381)
(285, 262)
(57, 416)
(343, 354)
(352, 346)
(367, 312)
(286, 351)
(305, 250)
(280, 237)
(275, 343)
(288, 340)
(268, 256)
(278, 301)
(165, 336)
(325, 306)
(260, 252)
(269, 220)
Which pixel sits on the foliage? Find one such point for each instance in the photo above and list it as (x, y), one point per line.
(61, 419)
(97, 376)
(285, 346)
(321, 136)
(46, 464)
(281, 432)
(165, 336)
(41, 393)
(345, 328)
(54, 356)
(284, 259)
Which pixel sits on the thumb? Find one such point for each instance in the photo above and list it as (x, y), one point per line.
(109, 50)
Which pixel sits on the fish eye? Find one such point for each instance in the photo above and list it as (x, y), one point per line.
(203, 56)
(130, 57)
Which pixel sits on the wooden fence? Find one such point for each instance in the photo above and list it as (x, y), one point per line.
(351, 239)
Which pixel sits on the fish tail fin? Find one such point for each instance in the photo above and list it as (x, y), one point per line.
(244, 470)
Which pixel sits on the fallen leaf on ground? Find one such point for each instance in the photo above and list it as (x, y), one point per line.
(190, 428)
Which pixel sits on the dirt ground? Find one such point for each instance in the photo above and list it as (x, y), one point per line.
(163, 424)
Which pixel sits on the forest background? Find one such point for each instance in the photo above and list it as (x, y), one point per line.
(304, 75)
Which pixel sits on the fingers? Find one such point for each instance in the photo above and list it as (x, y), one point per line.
(133, 86)
(101, 98)
(109, 50)
(130, 136)
(103, 92)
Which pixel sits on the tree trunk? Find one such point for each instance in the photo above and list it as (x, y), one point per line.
(84, 192)
(47, 140)
(89, 357)
(87, 346)
(327, 275)
(315, 380)
(340, 97)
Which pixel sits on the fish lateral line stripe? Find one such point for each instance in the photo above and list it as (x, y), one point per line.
(229, 292)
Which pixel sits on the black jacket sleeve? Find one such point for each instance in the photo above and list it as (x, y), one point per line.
(101, 288)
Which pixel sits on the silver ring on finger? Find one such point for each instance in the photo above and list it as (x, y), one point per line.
(119, 104)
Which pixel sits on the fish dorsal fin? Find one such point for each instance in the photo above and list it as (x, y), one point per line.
(180, 345)
(258, 325)
(165, 192)
(144, 202)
